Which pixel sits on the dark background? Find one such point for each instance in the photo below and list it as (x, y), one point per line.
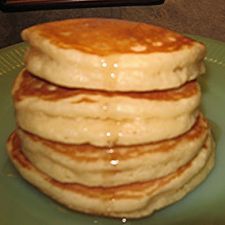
(202, 17)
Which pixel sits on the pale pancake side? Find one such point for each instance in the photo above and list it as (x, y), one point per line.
(105, 166)
(31, 93)
(103, 132)
(130, 201)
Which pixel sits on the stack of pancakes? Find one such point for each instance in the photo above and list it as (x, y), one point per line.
(108, 116)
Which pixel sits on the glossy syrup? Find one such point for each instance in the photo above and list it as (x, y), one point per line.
(114, 161)
(110, 70)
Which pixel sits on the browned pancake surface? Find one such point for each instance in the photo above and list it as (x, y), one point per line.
(110, 36)
(31, 86)
(133, 190)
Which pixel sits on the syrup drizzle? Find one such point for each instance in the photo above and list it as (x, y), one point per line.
(109, 67)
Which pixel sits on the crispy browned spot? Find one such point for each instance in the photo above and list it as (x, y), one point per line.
(109, 36)
(31, 86)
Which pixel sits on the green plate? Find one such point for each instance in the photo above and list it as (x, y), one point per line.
(22, 204)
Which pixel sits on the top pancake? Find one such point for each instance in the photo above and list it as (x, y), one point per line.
(112, 55)
(109, 36)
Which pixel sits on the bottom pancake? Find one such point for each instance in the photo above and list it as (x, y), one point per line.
(130, 201)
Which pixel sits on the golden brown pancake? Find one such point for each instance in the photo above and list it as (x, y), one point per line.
(109, 36)
(113, 55)
(31, 86)
(132, 200)
(111, 166)
(103, 118)
(108, 119)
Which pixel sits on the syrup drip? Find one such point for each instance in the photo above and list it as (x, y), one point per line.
(114, 162)
(110, 69)
(124, 220)
(112, 133)
(112, 157)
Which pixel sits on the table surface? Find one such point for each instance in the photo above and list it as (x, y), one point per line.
(201, 17)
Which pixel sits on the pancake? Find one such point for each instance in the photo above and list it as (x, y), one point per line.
(110, 54)
(29, 91)
(103, 118)
(130, 201)
(95, 166)
(106, 132)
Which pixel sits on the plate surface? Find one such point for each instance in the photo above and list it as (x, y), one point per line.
(22, 204)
